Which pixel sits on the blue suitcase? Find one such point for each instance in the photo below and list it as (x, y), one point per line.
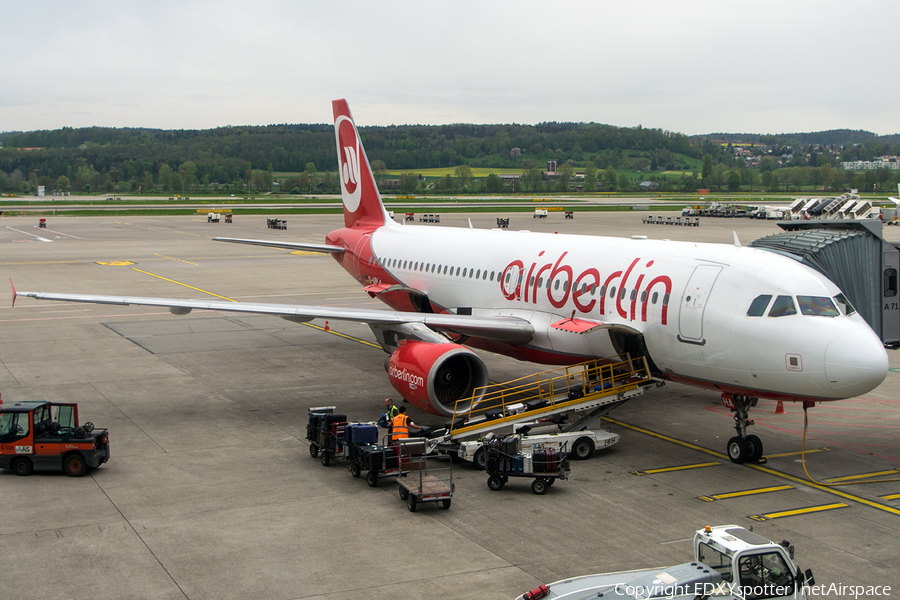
(365, 433)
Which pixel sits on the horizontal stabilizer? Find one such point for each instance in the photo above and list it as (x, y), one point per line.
(325, 248)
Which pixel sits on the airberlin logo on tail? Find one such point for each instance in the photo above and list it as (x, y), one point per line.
(348, 155)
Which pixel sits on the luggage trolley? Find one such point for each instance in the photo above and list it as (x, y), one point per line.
(325, 432)
(421, 480)
(505, 460)
(377, 459)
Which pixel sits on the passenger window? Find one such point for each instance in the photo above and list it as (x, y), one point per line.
(782, 307)
(820, 306)
(844, 305)
(890, 282)
(758, 306)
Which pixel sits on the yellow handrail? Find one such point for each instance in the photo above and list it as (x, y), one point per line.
(570, 385)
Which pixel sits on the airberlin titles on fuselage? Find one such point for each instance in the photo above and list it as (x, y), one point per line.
(561, 283)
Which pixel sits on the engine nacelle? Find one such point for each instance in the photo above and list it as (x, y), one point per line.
(434, 376)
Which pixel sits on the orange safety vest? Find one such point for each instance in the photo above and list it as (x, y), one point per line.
(400, 427)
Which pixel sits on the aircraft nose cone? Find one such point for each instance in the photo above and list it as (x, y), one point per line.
(856, 363)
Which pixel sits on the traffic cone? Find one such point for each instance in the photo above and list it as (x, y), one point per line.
(326, 328)
(779, 409)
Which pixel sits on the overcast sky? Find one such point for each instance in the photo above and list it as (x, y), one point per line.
(692, 66)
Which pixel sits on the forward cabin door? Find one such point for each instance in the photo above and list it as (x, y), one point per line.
(693, 303)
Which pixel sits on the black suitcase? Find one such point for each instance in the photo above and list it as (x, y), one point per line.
(492, 464)
(493, 413)
(536, 404)
(538, 460)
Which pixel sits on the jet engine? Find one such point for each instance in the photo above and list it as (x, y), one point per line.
(434, 376)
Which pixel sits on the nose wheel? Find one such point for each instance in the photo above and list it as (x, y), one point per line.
(742, 447)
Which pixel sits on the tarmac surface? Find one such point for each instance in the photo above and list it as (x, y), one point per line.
(211, 492)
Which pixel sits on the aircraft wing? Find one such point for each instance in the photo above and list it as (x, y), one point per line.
(286, 245)
(509, 329)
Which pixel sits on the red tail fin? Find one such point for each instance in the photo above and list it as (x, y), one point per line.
(362, 203)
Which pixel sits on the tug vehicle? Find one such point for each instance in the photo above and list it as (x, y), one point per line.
(46, 436)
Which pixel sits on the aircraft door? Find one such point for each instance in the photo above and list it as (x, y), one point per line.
(693, 303)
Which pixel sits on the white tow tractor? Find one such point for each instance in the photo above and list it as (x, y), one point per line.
(730, 563)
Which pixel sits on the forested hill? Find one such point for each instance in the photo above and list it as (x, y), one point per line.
(290, 147)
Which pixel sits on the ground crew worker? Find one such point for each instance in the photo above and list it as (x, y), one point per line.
(401, 425)
(391, 411)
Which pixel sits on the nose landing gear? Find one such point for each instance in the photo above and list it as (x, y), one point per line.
(743, 448)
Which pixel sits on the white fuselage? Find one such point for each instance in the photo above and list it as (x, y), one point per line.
(689, 301)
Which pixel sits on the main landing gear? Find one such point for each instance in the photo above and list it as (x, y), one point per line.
(742, 447)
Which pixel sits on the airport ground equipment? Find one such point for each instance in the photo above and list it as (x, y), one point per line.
(46, 436)
(540, 213)
(549, 433)
(430, 218)
(503, 222)
(505, 459)
(212, 217)
(570, 214)
(424, 477)
(730, 563)
(42, 223)
(589, 390)
(276, 223)
(409, 216)
(325, 433)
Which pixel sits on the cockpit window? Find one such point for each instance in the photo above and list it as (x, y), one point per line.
(844, 305)
(782, 307)
(817, 305)
(758, 306)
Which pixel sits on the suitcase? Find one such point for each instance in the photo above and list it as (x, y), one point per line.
(536, 404)
(527, 464)
(390, 458)
(365, 433)
(552, 463)
(493, 464)
(539, 460)
(458, 423)
(518, 463)
(493, 413)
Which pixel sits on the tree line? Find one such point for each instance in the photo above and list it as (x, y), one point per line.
(97, 159)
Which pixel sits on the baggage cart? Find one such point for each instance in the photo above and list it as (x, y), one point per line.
(378, 459)
(544, 465)
(424, 478)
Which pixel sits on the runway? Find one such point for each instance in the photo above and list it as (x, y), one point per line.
(211, 492)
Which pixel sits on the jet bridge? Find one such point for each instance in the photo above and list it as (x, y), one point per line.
(592, 388)
(856, 257)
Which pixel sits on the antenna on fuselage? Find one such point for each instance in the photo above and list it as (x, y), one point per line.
(737, 242)
(470, 223)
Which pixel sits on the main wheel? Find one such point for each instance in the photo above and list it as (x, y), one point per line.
(325, 458)
(754, 448)
(445, 503)
(411, 503)
(539, 487)
(314, 450)
(74, 465)
(583, 448)
(404, 493)
(480, 459)
(737, 450)
(372, 478)
(355, 469)
(495, 483)
(22, 466)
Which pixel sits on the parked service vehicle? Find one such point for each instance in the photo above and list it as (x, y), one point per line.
(540, 213)
(46, 436)
(730, 563)
(581, 444)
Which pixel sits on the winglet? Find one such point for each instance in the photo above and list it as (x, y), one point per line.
(14, 292)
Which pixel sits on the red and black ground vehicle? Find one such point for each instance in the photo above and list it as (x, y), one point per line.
(46, 436)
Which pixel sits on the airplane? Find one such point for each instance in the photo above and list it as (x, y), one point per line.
(746, 322)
